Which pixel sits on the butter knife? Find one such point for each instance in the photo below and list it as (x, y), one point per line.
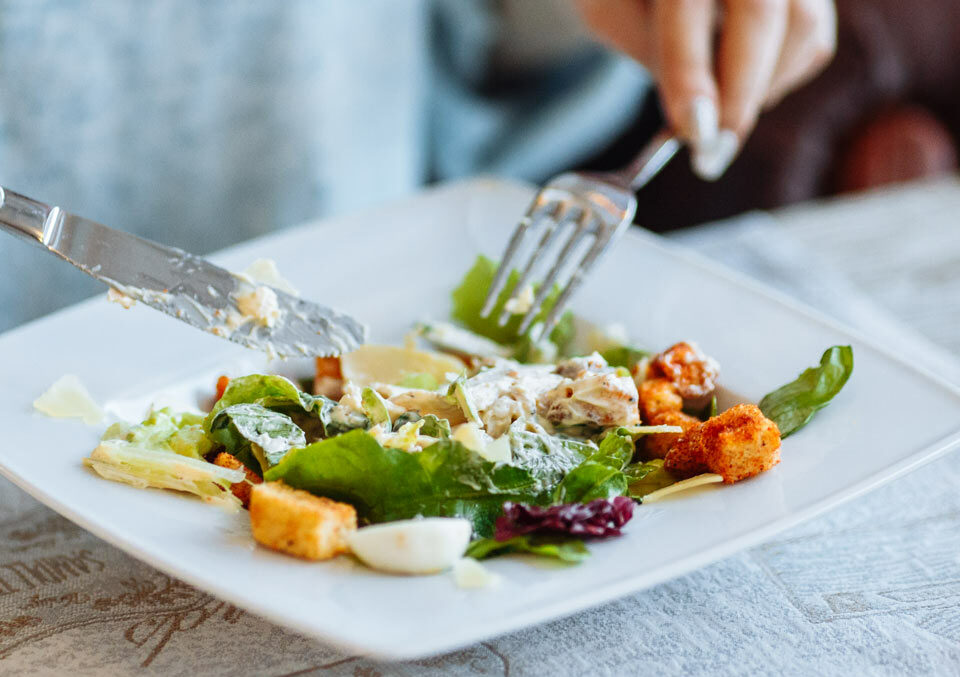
(182, 285)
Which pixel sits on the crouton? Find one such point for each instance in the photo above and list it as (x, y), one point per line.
(239, 489)
(685, 457)
(657, 396)
(739, 443)
(658, 444)
(299, 523)
(683, 364)
(328, 380)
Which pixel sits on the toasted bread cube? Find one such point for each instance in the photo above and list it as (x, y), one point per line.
(299, 523)
(685, 457)
(683, 364)
(658, 444)
(239, 489)
(656, 396)
(740, 443)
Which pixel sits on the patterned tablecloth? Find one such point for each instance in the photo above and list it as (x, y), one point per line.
(871, 588)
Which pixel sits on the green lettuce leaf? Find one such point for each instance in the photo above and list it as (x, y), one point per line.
(165, 429)
(645, 478)
(257, 436)
(600, 475)
(565, 549)
(548, 457)
(313, 414)
(623, 356)
(792, 406)
(468, 301)
(446, 479)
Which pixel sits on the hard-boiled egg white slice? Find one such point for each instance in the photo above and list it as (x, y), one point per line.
(418, 546)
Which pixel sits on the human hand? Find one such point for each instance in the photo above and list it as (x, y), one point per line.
(718, 63)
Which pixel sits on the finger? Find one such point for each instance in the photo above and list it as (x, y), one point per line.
(684, 67)
(749, 49)
(809, 45)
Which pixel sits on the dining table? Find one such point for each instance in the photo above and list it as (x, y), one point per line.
(869, 588)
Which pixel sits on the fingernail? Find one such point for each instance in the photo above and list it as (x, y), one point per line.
(704, 121)
(711, 161)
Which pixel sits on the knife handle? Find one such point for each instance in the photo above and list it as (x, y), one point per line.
(23, 217)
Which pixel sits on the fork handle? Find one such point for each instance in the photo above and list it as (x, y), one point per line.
(651, 159)
(23, 217)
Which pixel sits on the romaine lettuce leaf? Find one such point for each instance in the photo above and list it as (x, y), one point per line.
(565, 549)
(257, 436)
(600, 475)
(468, 301)
(446, 479)
(793, 405)
(181, 432)
(550, 458)
(311, 413)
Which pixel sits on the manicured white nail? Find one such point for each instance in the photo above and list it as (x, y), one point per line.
(704, 121)
(711, 161)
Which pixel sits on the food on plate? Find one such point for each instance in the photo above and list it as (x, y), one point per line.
(737, 444)
(241, 490)
(69, 398)
(299, 523)
(468, 440)
(416, 546)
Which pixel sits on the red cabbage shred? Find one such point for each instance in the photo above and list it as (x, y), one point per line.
(596, 519)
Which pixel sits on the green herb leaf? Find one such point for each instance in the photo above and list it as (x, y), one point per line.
(468, 301)
(445, 479)
(570, 550)
(792, 406)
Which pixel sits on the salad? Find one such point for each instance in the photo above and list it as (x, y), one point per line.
(470, 441)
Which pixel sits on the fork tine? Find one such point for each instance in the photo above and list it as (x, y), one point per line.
(500, 277)
(576, 279)
(547, 284)
(549, 236)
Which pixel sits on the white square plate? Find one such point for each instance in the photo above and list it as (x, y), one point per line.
(394, 266)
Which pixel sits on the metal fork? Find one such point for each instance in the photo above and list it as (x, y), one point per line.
(597, 205)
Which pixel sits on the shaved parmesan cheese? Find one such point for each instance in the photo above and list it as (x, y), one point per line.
(265, 271)
(68, 398)
(469, 573)
(697, 481)
(389, 364)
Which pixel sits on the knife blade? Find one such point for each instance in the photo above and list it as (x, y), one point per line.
(182, 285)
